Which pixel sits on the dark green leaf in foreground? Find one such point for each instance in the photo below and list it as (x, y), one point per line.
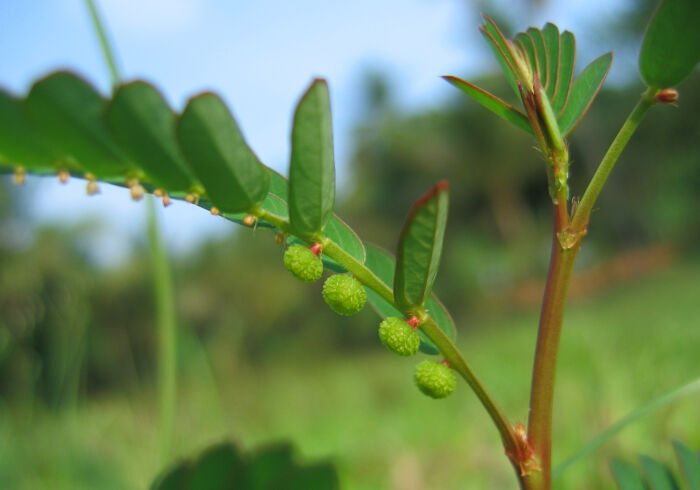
(567, 64)
(312, 167)
(268, 465)
(689, 462)
(492, 103)
(69, 113)
(658, 476)
(626, 476)
(143, 125)
(19, 143)
(219, 468)
(583, 91)
(321, 476)
(420, 248)
(671, 46)
(232, 175)
(383, 265)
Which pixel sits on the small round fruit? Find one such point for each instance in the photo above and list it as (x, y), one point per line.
(398, 336)
(435, 379)
(344, 294)
(302, 263)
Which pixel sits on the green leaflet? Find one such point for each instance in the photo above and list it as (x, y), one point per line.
(584, 90)
(497, 42)
(541, 53)
(626, 476)
(212, 142)
(143, 125)
(420, 248)
(383, 265)
(493, 103)
(689, 462)
(528, 47)
(19, 142)
(567, 62)
(658, 476)
(312, 167)
(551, 42)
(68, 112)
(671, 46)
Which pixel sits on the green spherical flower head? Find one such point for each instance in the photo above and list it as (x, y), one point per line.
(435, 379)
(302, 262)
(344, 294)
(398, 336)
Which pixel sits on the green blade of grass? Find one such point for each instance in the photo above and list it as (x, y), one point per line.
(649, 407)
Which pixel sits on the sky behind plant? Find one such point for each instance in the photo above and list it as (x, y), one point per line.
(260, 55)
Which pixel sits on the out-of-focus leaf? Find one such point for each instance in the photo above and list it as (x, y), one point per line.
(626, 476)
(318, 477)
(267, 466)
(541, 53)
(177, 478)
(234, 178)
(567, 62)
(383, 264)
(584, 90)
(689, 463)
(20, 144)
(143, 125)
(219, 468)
(69, 113)
(657, 475)
(493, 103)
(671, 46)
(312, 167)
(551, 37)
(420, 248)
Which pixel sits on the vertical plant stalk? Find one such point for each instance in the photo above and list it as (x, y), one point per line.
(167, 334)
(566, 242)
(107, 51)
(162, 286)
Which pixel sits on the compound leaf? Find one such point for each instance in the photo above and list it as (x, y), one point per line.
(552, 39)
(567, 62)
(219, 156)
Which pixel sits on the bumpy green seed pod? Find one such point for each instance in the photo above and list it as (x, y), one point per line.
(344, 294)
(398, 336)
(302, 262)
(435, 379)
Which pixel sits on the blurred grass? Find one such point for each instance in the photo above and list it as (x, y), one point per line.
(619, 349)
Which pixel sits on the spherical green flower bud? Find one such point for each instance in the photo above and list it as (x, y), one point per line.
(435, 379)
(344, 294)
(302, 262)
(398, 336)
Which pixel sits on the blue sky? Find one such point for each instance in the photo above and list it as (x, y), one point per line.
(260, 55)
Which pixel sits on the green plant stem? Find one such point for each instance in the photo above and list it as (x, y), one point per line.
(565, 246)
(107, 51)
(542, 394)
(583, 211)
(429, 327)
(167, 335)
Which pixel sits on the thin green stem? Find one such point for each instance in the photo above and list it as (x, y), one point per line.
(167, 335)
(107, 51)
(583, 211)
(428, 326)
